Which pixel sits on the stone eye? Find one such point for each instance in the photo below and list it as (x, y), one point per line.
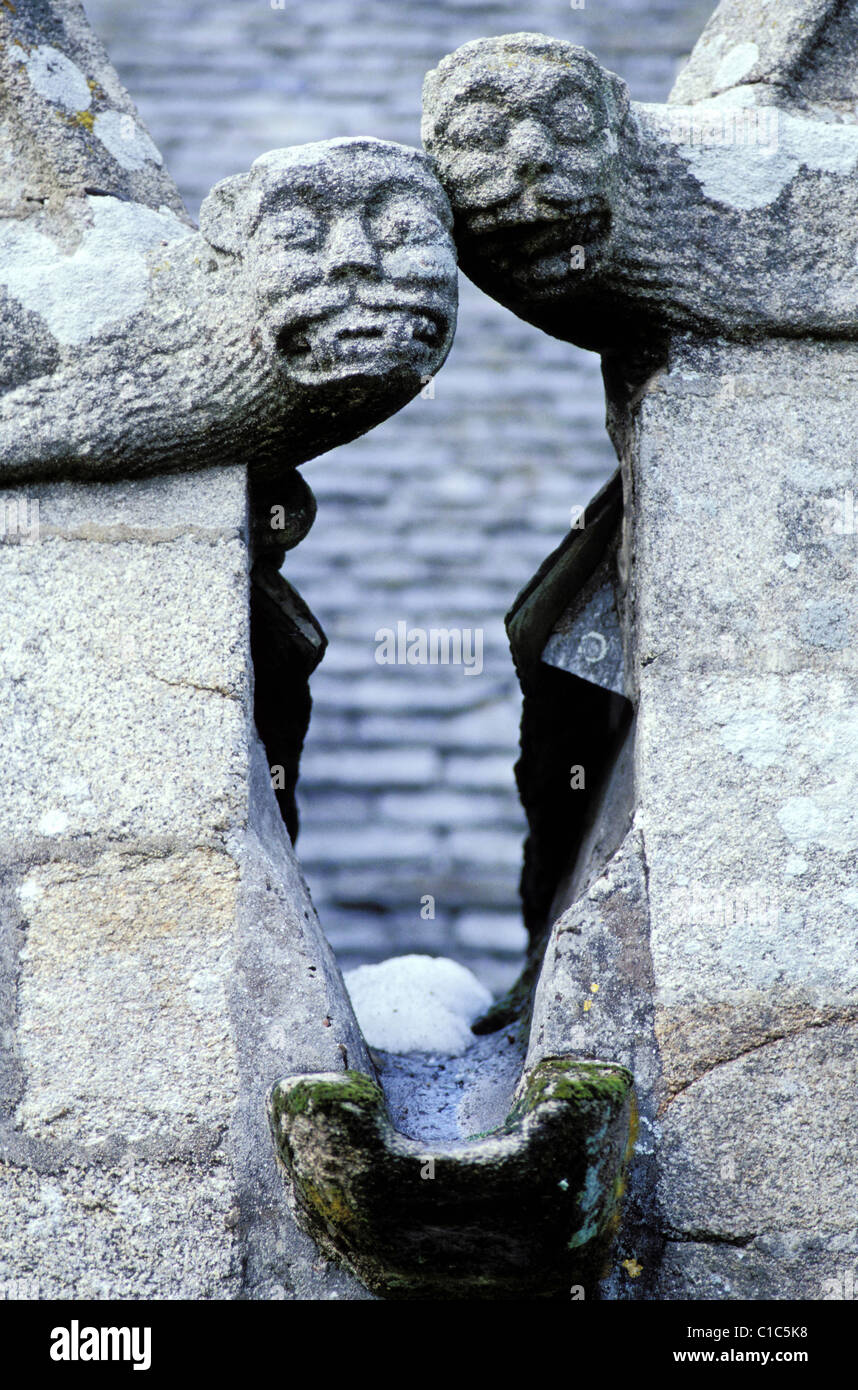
(298, 228)
(482, 127)
(403, 222)
(575, 120)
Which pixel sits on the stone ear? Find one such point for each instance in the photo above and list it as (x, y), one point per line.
(618, 99)
(229, 213)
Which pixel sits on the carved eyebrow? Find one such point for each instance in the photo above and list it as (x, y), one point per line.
(479, 89)
(418, 193)
(292, 197)
(567, 85)
(582, 83)
(482, 93)
(314, 198)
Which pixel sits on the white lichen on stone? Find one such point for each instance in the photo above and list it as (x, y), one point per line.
(767, 167)
(102, 283)
(53, 822)
(736, 64)
(756, 736)
(56, 78)
(127, 141)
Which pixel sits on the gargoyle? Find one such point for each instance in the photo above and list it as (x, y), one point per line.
(608, 223)
(316, 298)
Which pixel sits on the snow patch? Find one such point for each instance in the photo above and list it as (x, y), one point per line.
(417, 1004)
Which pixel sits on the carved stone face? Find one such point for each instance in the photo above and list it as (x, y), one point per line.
(349, 249)
(524, 134)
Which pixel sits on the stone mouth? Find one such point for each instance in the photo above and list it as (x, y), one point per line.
(380, 326)
(359, 332)
(590, 226)
(535, 237)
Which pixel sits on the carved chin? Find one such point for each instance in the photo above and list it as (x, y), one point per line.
(371, 344)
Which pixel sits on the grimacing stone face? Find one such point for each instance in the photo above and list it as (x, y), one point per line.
(611, 224)
(524, 133)
(316, 299)
(349, 248)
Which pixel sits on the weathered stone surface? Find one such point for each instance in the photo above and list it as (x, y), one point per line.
(763, 1143)
(595, 996)
(315, 301)
(607, 223)
(525, 1211)
(317, 298)
(790, 1265)
(67, 121)
(728, 974)
(309, 1046)
(758, 1155)
(108, 629)
(153, 936)
(595, 992)
(714, 951)
(129, 1230)
(747, 743)
(750, 42)
(162, 961)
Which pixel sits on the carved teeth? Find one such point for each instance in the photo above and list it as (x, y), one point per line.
(425, 327)
(375, 330)
(425, 330)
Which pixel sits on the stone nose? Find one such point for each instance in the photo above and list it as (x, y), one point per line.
(349, 248)
(530, 147)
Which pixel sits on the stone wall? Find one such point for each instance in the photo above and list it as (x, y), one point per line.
(440, 515)
(161, 960)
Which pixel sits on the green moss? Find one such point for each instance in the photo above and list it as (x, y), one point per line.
(587, 1083)
(309, 1094)
(541, 1211)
